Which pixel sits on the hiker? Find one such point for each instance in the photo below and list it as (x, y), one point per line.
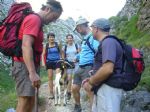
(52, 53)
(70, 51)
(107, 68)
(86, 59)
(25, 70)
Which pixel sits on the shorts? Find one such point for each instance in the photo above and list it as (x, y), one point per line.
(81, 74)
(108, 99)
(52, 65)
(20, 75)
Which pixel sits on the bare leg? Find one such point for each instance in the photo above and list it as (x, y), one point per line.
(25, 104)
(50, 77)
(69, 83)
(76, 93)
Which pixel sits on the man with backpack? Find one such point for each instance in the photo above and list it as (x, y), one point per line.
(117, 67)
(86, 59)
(25, 69)
(108, 64)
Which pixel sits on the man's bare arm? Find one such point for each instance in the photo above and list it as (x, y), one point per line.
(27, 52)
(102, 74)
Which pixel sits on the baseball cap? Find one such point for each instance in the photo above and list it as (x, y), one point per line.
(102, 23)
(81, 21)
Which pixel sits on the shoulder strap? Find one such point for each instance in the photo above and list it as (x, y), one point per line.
(76, 45)
(56, 44)
(65, 49)
(121, 42)
(89, 45)
(46, 48)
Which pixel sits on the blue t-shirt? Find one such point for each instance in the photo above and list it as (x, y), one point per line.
(52, 54)
(86, 54)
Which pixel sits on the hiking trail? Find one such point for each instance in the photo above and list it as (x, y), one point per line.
(47, 105)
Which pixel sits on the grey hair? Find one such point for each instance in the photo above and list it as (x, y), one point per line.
(55, 6)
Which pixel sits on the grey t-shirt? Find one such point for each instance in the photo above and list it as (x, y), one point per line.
(110, 50)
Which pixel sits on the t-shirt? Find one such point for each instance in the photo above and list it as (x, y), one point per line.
(71, 52)
(86, 54)
(32, 25)
(110, 50)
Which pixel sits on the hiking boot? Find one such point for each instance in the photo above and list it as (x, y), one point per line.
(77, 108)
(68, 95)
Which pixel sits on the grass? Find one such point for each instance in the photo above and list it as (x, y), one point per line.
(7, 91)
(8, 98)
(145, 81)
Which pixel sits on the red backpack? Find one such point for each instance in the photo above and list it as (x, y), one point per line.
(10, 44)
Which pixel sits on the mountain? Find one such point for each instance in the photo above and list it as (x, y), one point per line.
(61, 28)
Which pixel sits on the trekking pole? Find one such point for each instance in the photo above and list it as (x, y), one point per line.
(36, 99)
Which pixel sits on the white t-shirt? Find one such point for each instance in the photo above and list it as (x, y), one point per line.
(71, 52)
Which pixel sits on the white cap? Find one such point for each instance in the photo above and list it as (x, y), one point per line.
(81, 21)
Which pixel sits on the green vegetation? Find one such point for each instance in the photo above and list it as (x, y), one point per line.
(8, 97)
(128, 31)
(7, 91)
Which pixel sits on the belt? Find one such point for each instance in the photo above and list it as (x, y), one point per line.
(82, 66)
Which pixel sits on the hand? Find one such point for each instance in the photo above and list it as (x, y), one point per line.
(35, 79)
(86, 85)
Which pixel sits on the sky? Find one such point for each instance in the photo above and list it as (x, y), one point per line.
(90, 9)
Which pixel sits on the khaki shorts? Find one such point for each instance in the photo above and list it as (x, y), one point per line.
(81, 74)
(20, 75)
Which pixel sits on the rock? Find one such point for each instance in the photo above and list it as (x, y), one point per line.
(144, 18)
(136, 101)
(130, 9)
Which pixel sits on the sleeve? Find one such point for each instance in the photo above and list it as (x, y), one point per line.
(109, 50)
(32, 25)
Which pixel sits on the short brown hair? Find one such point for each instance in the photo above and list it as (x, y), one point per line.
(69, 35)
(50, 34)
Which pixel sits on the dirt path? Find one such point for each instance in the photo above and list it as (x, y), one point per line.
(47, 105)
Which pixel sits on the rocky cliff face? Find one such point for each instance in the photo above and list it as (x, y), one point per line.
(61, 28)
(4, 6)
(140, 7)
(131, 8)
(144, 16)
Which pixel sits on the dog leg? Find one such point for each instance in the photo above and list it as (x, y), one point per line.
(59, 93)
(55, 100)
(65, 97)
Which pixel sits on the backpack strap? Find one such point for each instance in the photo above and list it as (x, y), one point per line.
(76, 45)
(88, 44)
(65, 49)
(57, 46)
(46, 49)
